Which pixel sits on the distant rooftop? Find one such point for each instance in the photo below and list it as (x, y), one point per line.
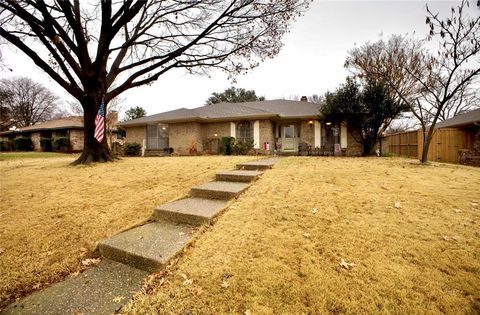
(72, 122)
(280, 109)
(462, 120)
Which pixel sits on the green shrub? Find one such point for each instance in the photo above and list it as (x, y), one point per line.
(132, 149)
(6, 145)
(23, 144)
(121, 132)
(389, 154)
(46, 144)
(243, 147)
(61, 144)
(227, 145)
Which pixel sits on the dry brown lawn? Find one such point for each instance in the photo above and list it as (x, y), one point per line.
(411, 231)
(52, 215)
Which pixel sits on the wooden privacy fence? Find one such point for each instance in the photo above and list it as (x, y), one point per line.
(403, 144)
(444, 147)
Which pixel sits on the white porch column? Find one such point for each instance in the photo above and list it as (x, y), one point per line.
(343, 135)
(318, 134)
(256, 134)
(233, 130)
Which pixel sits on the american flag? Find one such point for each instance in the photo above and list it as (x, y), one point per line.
(100, 123)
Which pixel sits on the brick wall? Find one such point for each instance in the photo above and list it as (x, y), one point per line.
(222, 129)
(183, 135)
(307, 133)
(210, 142)
(136, 134)
(76, 139)
(267, 135)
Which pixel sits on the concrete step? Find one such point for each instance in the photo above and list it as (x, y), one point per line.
(258, 165)
(238, 176)
(147, 247)
(194, 211)
(218, 190)
(99, 290)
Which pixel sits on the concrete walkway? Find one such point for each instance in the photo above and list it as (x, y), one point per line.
(130, 256)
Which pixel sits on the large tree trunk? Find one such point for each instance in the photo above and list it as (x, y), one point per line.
(368, 145)
(93, 151)
(427, 138)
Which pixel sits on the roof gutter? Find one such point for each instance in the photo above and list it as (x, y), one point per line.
(198, 119)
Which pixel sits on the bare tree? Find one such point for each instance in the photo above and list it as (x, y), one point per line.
(99, 51)
(28, 102)
(433, 86)
(454, 70)
(315, 98)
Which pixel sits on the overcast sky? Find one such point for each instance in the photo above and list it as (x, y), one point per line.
(311, 61)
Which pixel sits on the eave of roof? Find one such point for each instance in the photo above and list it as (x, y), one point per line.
(275, 109)
(469, 118)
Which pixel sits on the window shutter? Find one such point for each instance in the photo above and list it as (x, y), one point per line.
(233, 130)
(256, 134)
(343, 135)
(318, 134)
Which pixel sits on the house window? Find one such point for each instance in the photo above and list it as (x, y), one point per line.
(61, 133)
(244, 130)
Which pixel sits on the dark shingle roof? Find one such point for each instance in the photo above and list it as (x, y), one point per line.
(223, 111)
(287, 109)
(72, 122)
(177, 114)
(229, 110)
(468, 118)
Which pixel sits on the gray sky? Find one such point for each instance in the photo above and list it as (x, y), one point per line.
(311, 61)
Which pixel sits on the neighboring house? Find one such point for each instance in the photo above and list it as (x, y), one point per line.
(274, 126)
(66, 127)
(456, 140)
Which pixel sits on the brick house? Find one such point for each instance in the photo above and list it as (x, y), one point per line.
(279, 126)
(66, 127)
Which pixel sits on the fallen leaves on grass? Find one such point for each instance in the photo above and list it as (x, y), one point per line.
(91, 261)
(225, 278)
(346, 265)
(118, 299)
(186, 280)
(83, 251)
(448, 238)
(37, 286)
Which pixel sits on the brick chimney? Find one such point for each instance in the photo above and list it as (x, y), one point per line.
(304, 99)
(112, 119)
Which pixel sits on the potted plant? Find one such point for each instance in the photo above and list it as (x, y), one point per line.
(193, 147)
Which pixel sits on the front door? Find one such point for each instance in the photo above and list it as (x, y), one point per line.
(288, 138)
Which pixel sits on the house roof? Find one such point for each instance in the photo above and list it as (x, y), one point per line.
(280, 109)
(72, 122)
(462, 120)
